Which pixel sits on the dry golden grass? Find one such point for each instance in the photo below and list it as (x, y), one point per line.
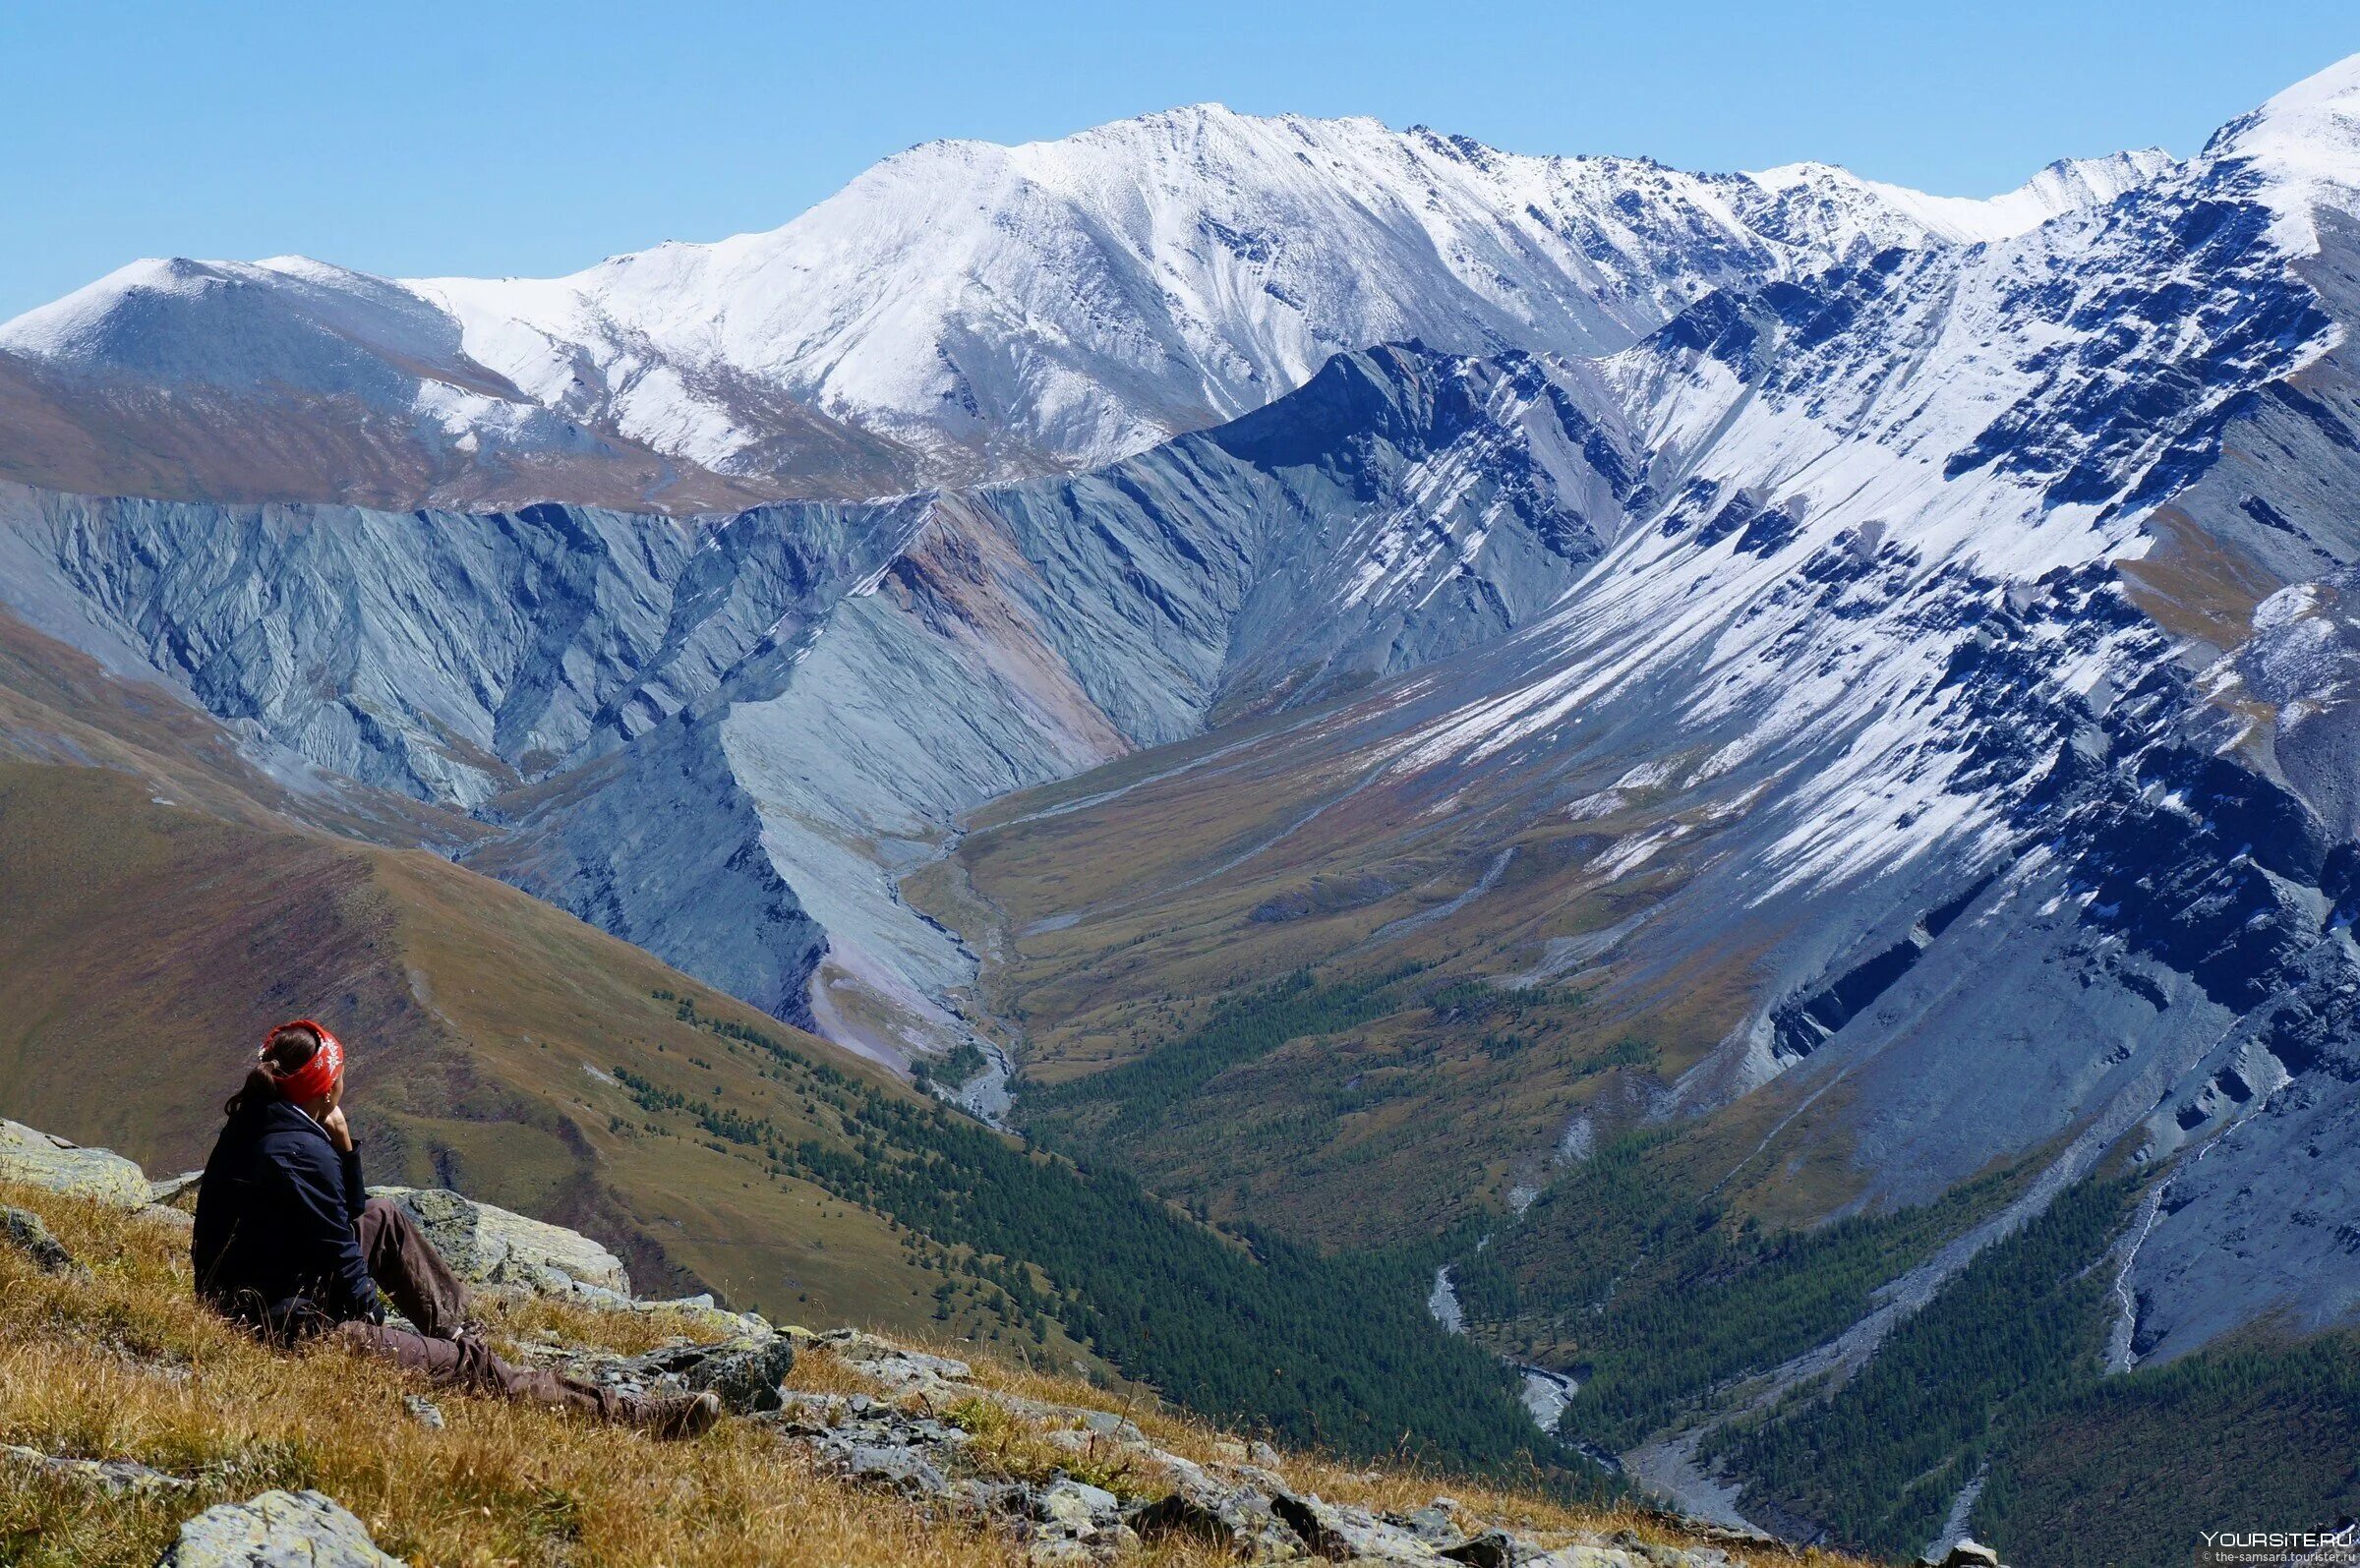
(118, 1360)
(818, 1370)
(123, 1363)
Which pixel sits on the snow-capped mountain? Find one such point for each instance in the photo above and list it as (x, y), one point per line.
(1899, 649)
(961, 312)
(1963, 687)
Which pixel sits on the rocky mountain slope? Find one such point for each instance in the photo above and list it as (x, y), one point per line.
(723, 740)
(1922, 787)
(1780, 774)
(961, 313)
(504, 1048)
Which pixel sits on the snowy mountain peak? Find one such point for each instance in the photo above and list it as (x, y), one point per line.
(1868, 213)
(961, 312)
(2304, 145)
(2070, 183)
(65, 326)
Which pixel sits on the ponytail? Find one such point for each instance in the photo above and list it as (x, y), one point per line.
(288, 1050)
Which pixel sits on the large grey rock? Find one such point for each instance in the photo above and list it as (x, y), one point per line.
(1970, 1553)
(905, 1467)
(747, 1376)
(745, 1372)
(276, 1529)
(37, 1159)
(177, 1220)
(489, 1246)
(23, 1230)
(1349, 1534)
(1076, 1506)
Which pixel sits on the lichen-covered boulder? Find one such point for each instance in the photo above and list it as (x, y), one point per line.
(277, 1530)
(747, 1375)
(1968, 1553)
(489, 1246)
(37, 1159)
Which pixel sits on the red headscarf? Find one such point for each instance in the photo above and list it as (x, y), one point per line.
(317, 1077)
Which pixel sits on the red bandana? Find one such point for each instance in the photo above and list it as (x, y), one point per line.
(315, 1078)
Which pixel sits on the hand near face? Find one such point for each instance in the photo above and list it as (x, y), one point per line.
(337, 1132)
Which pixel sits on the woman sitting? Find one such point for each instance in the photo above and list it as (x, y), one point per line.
(289, 1242)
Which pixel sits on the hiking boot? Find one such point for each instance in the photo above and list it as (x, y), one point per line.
(678, 1416)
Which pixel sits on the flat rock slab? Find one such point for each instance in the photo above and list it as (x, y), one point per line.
(112, 1476)
(489, 1246)
(37, 1159)
(277, 1530)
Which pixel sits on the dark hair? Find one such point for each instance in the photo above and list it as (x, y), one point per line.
(289, 1047)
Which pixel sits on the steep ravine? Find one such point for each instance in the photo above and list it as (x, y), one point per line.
(727, 739)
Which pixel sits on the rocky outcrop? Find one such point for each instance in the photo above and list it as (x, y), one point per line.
(489, 1246)
(1967, 1553)
(37, 1159)
(744, 1368)
(918, 1437)
(276, 1529)
(117, 1476)
(25, 1231)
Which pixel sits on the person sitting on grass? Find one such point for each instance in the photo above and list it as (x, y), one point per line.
(289, 1243)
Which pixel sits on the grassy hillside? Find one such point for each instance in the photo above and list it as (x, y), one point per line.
(147, 947)
(506, 1049)
(117, 1361)
(1138, 918)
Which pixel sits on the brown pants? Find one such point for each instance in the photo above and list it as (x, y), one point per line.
(413, 1276)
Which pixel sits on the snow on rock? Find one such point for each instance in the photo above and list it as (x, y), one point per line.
(1855, 217)
(2303, 147)
(966, 312)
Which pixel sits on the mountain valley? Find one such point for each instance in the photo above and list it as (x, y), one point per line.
(1744, 778)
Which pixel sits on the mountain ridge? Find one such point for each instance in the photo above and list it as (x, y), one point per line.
(959, 313)
(1825, 812)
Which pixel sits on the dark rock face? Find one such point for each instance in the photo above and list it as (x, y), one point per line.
(746, 1377)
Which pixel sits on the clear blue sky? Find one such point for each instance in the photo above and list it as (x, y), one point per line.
(425, 136)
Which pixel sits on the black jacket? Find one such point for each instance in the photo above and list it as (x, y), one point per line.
(274, 1244)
